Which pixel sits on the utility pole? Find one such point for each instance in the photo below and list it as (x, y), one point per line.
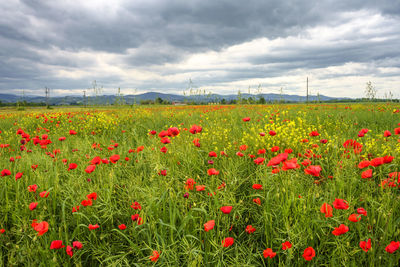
(84, 98)
(47, 92)
(307, 89)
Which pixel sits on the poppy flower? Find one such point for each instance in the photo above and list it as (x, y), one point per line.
(259, 161)
(212, 154)
(226, 209)
(257, 186)
(377, 162)
(392, 247)
(72, 132)
(195, 129)
(306, 162)
(340, 204)
(173, 131)
(227, 242)
(366, 174)
(354, 218)
(257, 201)
(122, 226)
(5, 172)
(200, 187)
(61, 138)
(44, 194)
(114, 158)
(313, 133)
(290, 164)
(90, 168)
(212, 171)
(388, 159)
(387, 133)
(33, 205)
(96, 160)
(313, 170)
(162, 172)
(275, 149)
(41, 227)
(92, 196)
(309, 253)
(272, 133)
(136, 206)
(56, 244)
(240, 154)
(93, 227)
(165, 140)
(163, 149)
(72, 166)
(75, 209)
(362, 211)
(326, 209)
(250, 229)
(77, 244)
(69, 251)
(268, 253)
(278, 159)
(18, 175)
(365, 245)
(246, 119)
(155, 256)
(286, 245)
(196, 142)
(342, 229)
(2, 231)
(86, 202)
(209, 225)
(189, 184)
(364, 164)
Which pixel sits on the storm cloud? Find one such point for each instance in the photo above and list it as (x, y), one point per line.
(222, 46)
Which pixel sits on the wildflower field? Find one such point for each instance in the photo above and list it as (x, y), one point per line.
(270, 185)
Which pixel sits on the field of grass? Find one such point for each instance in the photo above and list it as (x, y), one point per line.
(287, 185)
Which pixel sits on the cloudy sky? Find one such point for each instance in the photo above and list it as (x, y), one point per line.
(222, 46)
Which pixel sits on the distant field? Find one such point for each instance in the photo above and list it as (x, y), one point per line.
(286, 185)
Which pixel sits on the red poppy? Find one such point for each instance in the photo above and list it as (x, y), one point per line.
(209, 225)
(309, 253)
(278, 159)
(69, 251)
(392, 247)
(387, 133)
(377, 162)
(257, 201)
(44, 194)
(269, 253)
(136, 206)
(72, 132)
(164, 149)
(362, 211)
(72, 166)
(212, 171)
(162, 172)
(340, 204)
(275, 149)
(290, 164)
(226, 209)
(93, 227)
(77, 244)
(200, 187)
(189, 184)
(342, 229)
(250, 229)
(5, 172)
(227, 242)
(246, 119)
(195, 129)
(313, 170)
(75, 209)
(313, 133)
(365, 245)
(212, 154)
(56, 244)
(240, 154)
(122, 226)
(327, 209)
(86, 202)
(272, 133)
(2, 231)
(259, 161)
(155, 256)
(257, 186)
(114, 158)
(41, 227)
(33, 205)
(363, 164)
(286, 245)
(354, 218)
(18, 175)
(173, 131)
(90, 168)
(366, 174)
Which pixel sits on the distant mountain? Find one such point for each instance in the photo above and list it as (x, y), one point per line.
(130, 99)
